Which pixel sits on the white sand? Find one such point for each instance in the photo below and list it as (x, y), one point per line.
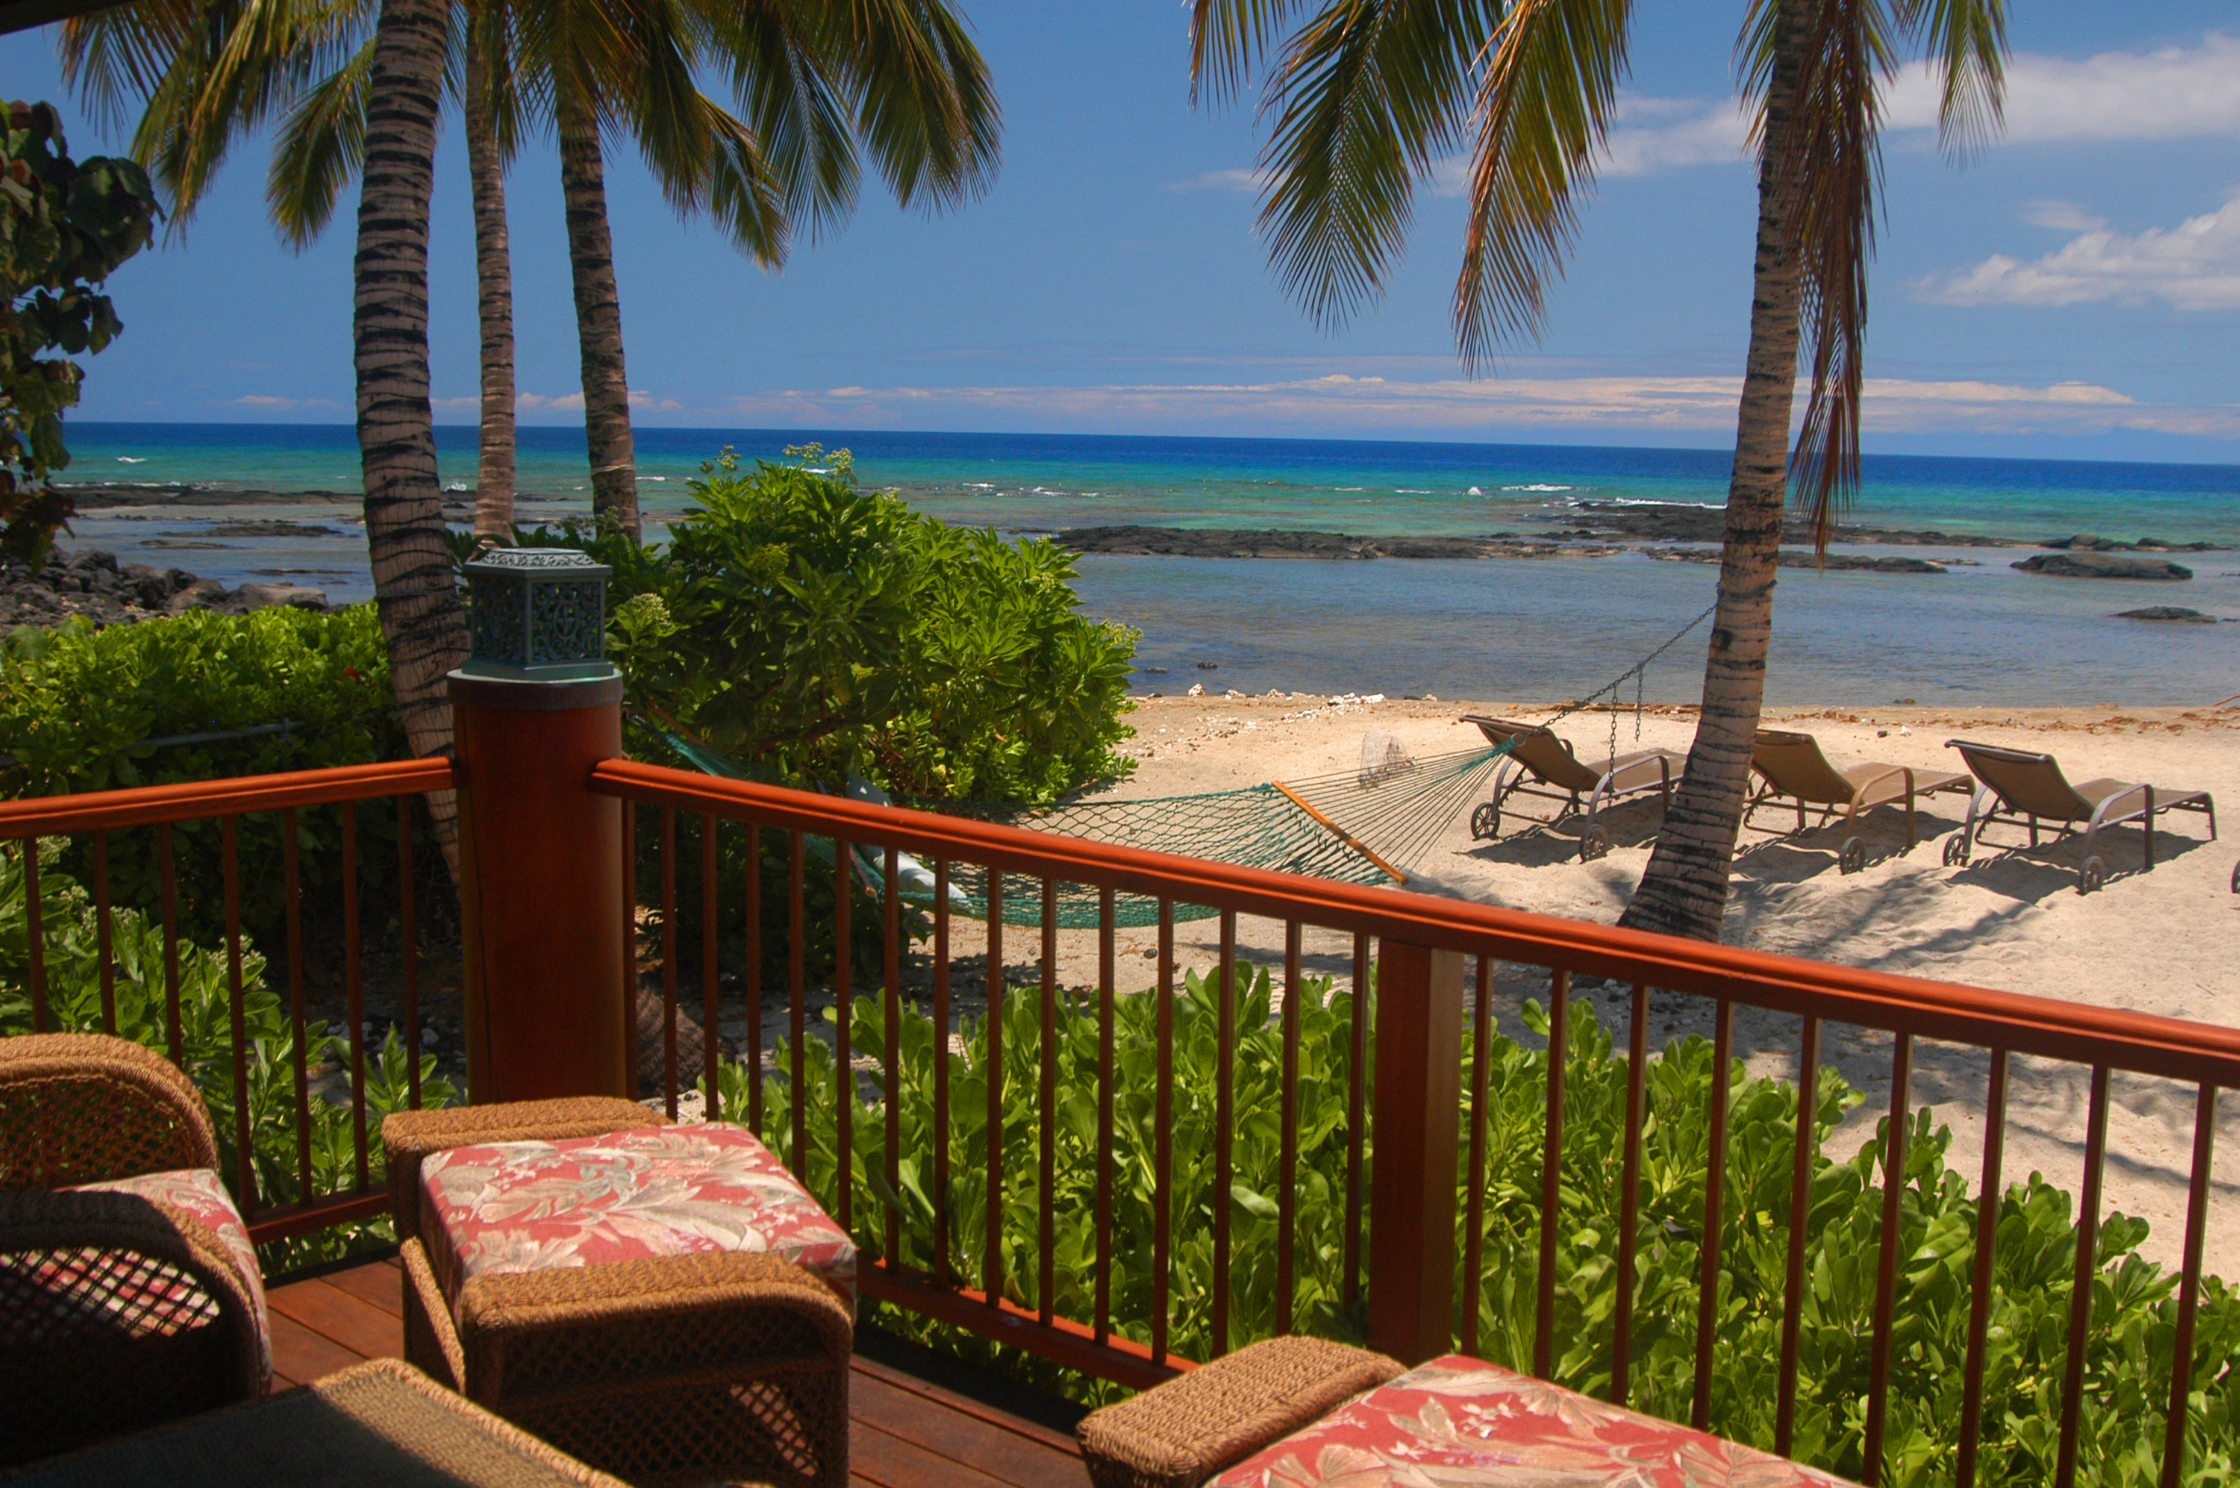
(2166, 942)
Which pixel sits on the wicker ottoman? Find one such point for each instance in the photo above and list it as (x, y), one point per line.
(664, 1302)
(1292, 1412)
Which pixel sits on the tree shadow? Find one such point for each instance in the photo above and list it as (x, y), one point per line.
(2020, 871)
(1540, 843)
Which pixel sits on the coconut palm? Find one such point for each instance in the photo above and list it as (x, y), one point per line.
(1368, 95)
(202, 75)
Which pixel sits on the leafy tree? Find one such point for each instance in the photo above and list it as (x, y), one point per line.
(1367, 94)
(65, 225)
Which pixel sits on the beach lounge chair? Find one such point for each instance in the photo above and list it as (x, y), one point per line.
(1543, 765)
(1792, 769)
(2028, 790)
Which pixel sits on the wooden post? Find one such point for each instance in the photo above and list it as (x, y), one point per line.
(541, 861)
(1415, 1130)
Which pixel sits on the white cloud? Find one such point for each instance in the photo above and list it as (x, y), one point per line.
(1679, 403)
(2193, 266)
(1221, 180)
(273, 403)
(2173, 93)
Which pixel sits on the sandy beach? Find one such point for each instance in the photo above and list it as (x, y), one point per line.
(2161, 942)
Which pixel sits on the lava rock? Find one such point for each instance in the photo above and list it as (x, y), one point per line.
(2097, 565)
(2168, 613)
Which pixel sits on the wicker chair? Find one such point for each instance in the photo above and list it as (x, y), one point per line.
(672, 1369)
(118, 1309)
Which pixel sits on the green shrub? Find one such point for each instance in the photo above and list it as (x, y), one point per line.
(79, 705)
(73, 977)
(2127, 1369)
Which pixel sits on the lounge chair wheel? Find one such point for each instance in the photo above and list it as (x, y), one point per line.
(1485, 822)
(1956, 852)
(2092, 875)
(1594, 843)
(1854, 856)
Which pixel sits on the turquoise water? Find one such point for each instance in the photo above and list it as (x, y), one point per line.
(1544, 629)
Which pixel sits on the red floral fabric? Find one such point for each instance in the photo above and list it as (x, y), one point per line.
(1459, 1422)
(659, 1191)
(202, 1194)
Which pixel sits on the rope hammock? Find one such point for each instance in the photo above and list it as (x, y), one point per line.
(1370, 825)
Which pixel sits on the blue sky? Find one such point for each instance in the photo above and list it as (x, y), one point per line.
(2073, 292)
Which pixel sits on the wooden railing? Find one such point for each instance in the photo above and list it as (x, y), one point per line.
(1429, 956)
(158, 810)
(1415, 1124)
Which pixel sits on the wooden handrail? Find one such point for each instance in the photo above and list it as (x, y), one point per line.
(2143, 1043)
(145, 806)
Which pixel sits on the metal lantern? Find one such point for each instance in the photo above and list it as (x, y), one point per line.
(537, 615)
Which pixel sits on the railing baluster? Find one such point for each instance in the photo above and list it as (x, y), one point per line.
(991, 1255)
(627, 1034)
(942, 1270)
(104, 933)
(1886, 1254)
(1162, 1138)
(1714, 1215)
(1800, 1210)
(1046, 1279)
(844, 1032)
(292, 889)
(1629, 1193)
(890, 1053)
(669, 962)
(2189, 1288)
(244, 1151)
(1357, 1119)
(35, 935)
(353, 973)
(409, 945)
(754, 977)
(1988, 1198)
(711, 1010)
(167, 892)
(1224, 1127)
(1287, 1180)
(2080, 1286)
(1551, 1174)
(1474, 1202)
(797, 1003)
(1107, 1014)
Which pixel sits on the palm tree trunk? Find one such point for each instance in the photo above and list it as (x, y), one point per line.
(1684, 891)
(493, 265)
(419, 604)
(606, 390)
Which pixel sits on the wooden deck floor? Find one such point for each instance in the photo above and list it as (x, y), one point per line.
(919, 1421)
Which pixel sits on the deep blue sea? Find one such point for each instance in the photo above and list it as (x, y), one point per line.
(1487, 629)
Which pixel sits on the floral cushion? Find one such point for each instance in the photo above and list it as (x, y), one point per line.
(658, 1191)
(1459, 1421)
(202, 1194)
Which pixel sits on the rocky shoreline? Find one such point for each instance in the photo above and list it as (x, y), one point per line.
(93, 584)
(1606, 528)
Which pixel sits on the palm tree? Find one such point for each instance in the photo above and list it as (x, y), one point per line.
(203, 75)
(1368, 94)
(815, 84)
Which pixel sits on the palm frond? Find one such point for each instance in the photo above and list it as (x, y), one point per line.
(1365, 95)
(800, 121)
(1225, 36)
(1967, 43)
(321, 148)
(1544, 109)
(743, 194)
(924, 102)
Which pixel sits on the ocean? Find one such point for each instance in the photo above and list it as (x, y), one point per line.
(1544, 629)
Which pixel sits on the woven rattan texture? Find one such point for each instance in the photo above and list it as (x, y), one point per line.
(87, 1108)
(378, 1423)
(407, 1137)
(673, 1369)
(1181, 1433)
(115, 1313)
